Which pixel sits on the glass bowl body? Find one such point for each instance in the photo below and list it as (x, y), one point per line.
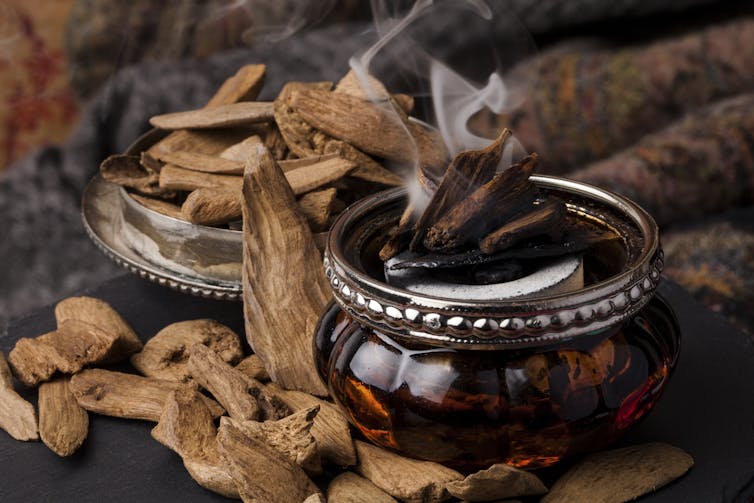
(526, 381)
(529, 407)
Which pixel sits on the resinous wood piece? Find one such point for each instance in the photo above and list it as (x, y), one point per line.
(17, 416)
(63, 424)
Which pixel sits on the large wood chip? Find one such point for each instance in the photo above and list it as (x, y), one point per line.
(621, 474)
(166, 355)
(253, 366)
(202, 162)
(212, 206)
(127, 395)
(330, 429)
(308, 178)
(163, 207)
(68, 349)
(544, 219)
(351, 488)
(283, 282)
(127, 171)
(63, 424)
(224, 116)
(100, 314)
(290, 435)
(237, 392)
(404, 478)
(373, 90)
(497, 482)
(262, 474)
(206, 141)
(317, 207)
(17, 416)
(467, 172)
(368, 169)
(186, 426)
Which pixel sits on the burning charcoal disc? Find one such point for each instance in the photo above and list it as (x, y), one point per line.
(560, 275)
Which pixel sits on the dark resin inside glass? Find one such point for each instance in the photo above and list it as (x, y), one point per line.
(526, 407)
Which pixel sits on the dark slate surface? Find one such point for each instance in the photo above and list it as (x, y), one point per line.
(708, 410)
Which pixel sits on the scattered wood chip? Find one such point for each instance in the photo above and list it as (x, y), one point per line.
(283, 282)
(202, 162)
(100, 314)
(223, 116)
(127, 395)
(351, 488)
(499, 481)
(245, 85)
(63, 424)
(467, 172)
(17, 416)
(165, 356)
(262, 474)
(238, 393)
(330, 429)
(186, 426)
(404, 478)
(621, 475)
(160, 206)
(175, 178)
(317, 207)
(253, 366)
(68, 349)
(290, 435)
(212, 206)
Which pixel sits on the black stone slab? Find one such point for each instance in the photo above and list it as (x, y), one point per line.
(708, 410)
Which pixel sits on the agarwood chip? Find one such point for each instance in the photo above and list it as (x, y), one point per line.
(313, 176)
(317, 207)
(202, 162)
(166, 355)
(127, 171)
(274, 141)
(621, 474)
(243, 86)
(63, 424)
(283, 282)
(351, 488)
(290, 435)
(242, 151)
(485, 209)
(404, 478)
(373, 90)
(212, 206)
(243, 397)
(543, 219)
(186, 426)
(68, 349)
(467, 172)
(17, 416)
(158, 205)
(499, 481)
(205, 141)
(127, 395)
(315, 498)
(100, 314)
(223, 116)
(330, 429)
(262, 474)
(290, 164)
(253, 366)
(176, 178)
(401, 235)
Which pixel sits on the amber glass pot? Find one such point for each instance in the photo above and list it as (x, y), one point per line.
(526, 381)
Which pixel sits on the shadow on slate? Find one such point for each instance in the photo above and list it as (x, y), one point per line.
(707, 410)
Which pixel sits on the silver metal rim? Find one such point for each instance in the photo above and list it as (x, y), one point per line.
(499, 324)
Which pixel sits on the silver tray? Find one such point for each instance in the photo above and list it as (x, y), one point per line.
(193, 259)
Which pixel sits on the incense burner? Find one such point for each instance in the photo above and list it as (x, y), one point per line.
(527, 380)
